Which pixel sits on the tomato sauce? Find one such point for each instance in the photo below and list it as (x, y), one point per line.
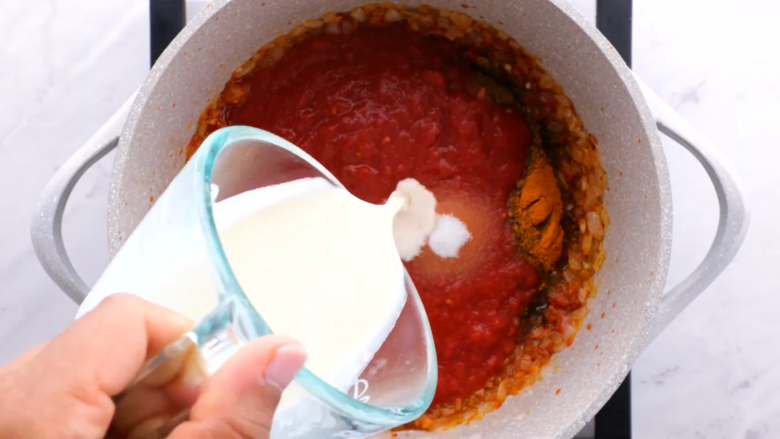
(382, 104)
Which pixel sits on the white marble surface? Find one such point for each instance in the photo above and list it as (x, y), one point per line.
(715, 372)
(65, 67)
(68, 64)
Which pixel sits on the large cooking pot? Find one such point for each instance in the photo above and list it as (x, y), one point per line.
(624, 115)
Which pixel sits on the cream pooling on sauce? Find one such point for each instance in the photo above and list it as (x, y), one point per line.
(418, 222)
(414, 222)
(448, 236)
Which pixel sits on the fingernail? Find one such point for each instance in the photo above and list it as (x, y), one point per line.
(287, 361)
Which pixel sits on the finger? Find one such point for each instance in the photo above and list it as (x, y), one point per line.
(173, 386)
(77, 373)
(107, 347)
(140, 404)
(240, 399)
(23, 359)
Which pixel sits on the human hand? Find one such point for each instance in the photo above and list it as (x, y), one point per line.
(64, 387)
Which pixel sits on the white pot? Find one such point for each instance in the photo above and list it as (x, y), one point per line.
(622, 113)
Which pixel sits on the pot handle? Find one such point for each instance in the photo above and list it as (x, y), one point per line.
(46, 229)
(734, 214)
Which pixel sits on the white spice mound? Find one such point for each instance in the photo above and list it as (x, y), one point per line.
(415, 220)
(448, 236)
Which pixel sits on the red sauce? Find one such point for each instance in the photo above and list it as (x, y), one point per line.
(383, 104)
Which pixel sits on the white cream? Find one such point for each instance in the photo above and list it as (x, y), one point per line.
(323, 268)
(317, 263)
(416, 220)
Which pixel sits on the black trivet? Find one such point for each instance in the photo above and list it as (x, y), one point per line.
(613, 18)
(166, 19)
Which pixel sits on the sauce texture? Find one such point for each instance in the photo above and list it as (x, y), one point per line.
(379, 105)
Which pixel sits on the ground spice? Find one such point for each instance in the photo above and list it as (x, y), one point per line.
(537, 209)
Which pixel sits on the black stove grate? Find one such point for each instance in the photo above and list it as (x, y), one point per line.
(166, 19)
(614, 20)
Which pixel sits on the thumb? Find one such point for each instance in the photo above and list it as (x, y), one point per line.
(239, 400)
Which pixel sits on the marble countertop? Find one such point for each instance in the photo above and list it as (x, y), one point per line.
(67, 65)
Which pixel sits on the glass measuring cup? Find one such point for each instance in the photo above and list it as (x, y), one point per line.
(181, 233)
